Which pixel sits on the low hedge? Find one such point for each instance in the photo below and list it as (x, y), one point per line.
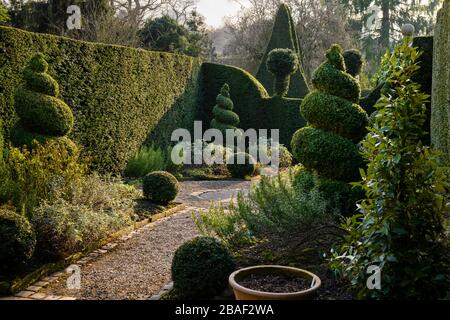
(256, 109)
(120, 97)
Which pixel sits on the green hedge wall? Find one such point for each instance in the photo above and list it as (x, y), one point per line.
(121, 97)
(256, 109)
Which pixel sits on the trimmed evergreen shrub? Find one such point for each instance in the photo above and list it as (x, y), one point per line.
(282, 63)
(2, 142)
(17, 241)
(353, 62)
(121, 98)
(327, 147)
(200, 268)
(284, 36)
(238, 169)
(224, 117)
(252, 103)
(160, 187)
(440, 110)
(42, 115)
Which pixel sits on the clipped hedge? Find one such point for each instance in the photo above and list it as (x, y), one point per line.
(256, 109)
(284, 36)
(440, 109)
(120, 97)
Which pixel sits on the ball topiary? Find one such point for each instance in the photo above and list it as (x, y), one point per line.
(17, 241)
(40, 111)
(282, 63)
(353, 62)
(160, 187)
(241, 165)
(328, 147)
(200, 268)
(224, 118)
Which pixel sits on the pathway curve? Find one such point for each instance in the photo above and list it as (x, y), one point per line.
(139, 267)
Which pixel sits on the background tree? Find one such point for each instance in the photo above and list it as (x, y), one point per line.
(4, 16)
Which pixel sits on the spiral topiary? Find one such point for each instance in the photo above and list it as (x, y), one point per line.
(17, 241)
(328, 147)
(43, 116)
(224, 118)
(160, 187)
(200, 268)
(282, 63)
(241, 165)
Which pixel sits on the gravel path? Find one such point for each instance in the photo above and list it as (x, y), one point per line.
(140, 267)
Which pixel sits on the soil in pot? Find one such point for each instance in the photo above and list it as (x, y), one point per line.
(275, 283)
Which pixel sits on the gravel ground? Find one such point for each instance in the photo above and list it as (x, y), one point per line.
(140, 267)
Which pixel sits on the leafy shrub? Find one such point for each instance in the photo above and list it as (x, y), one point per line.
(63, 228)
(146, 160)
(353, 62)
(201, 267)
(160, 187)
(241, 165)
(40, 111)
(44, 173)
(282, 63)
(401, 229)
(17, 241)
(274, 209)
(328, 147)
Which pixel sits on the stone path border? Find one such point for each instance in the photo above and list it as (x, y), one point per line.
(33, 292)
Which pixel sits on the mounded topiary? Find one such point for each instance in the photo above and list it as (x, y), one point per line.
(282, 63)
(353, 62)
(160, 187)
(42, 115)
(224, 118)
(284, 35)
(241, 165)
(201, 267)
(17, 241)
(328, 147)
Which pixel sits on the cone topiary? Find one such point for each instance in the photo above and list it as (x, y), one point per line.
(43, 116)
(224, 117)
(328, 147)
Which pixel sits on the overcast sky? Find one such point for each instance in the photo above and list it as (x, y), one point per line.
(216, 10)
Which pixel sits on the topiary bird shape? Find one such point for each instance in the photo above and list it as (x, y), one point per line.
(43, 116)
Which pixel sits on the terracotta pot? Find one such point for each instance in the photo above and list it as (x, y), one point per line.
(242, 293)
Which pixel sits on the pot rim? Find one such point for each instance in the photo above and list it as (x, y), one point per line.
(235, 285)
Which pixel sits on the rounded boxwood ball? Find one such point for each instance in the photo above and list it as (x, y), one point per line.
(201, 267)
(160, 187)
(17, 240)
(241, 165)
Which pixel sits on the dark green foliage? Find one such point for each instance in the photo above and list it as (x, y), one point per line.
(368, 101)
(425, 76)
(282, 63)
(241, 165)
(327, 147)
(402, 226)
(17, 241)
(251, 102)
(120, 97)
(284, 36)
(331, 77)
(4, 16)
(353, 62)
(200, 268)
(2, 142)
(336, 115)
(224, 117)
(327, 153)
(37, 104)
(160, 187)
(339, 195)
